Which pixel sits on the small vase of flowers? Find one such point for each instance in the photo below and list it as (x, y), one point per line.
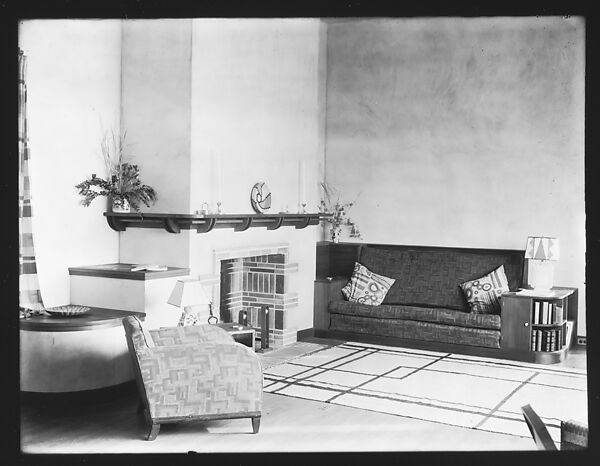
(122, 185)
(331, 204)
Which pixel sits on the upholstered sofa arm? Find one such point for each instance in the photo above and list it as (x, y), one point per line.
(207, 378)
(335, 289)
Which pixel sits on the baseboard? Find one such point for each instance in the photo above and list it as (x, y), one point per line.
(305, 333)
(80, 397)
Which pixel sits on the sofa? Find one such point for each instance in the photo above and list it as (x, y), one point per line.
(193, 373)
(424, 304)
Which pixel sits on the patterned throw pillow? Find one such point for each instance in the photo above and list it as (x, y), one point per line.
(366, 287)
(483, 293)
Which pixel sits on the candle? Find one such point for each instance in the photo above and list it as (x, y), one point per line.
(301, 183)
(217, 178)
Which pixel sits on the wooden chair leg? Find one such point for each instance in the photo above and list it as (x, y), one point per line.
(255, 424)
(154, 428)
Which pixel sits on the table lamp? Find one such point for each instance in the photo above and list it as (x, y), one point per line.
(189, 293)
(541, 252)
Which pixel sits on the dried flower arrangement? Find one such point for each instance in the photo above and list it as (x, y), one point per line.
(331, 203)
(122, 185)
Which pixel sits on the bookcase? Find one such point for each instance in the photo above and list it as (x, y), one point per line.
(540, 327)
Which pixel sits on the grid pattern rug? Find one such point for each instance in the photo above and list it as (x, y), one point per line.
(466, 391)
(287, 353)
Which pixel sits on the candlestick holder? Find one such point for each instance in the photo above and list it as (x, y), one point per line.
(204, 210)
(219, 211)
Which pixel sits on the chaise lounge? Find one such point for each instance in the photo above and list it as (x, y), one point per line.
(193, 373)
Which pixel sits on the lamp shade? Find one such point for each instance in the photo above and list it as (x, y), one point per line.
(543, 248)
(188, 292)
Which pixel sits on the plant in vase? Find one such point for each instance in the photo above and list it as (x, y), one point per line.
(331, 204)
(122, 185)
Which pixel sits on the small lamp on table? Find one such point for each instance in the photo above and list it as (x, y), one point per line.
(189, 294)
(541, 252)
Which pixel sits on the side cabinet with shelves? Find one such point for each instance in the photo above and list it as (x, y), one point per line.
(539, 328)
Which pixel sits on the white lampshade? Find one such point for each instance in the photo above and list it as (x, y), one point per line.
(542, 248)
(188, 292)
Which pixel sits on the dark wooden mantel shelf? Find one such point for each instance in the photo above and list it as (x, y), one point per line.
(174, 223)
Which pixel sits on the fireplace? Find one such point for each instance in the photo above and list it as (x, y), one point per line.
(250, 279)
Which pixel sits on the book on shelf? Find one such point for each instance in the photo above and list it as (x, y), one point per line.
(548, 313)
(560, 313)
(546, 340)
(559, 338)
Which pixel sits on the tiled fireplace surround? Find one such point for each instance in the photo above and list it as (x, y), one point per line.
(248, 278)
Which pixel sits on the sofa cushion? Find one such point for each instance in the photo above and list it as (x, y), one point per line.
(483, 294)
(415, 330)
(430, 276)
(366, 287)
(415, 313)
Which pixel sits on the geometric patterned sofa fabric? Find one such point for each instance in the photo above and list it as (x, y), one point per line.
(211, 376)
(415, 330)
(415, 313)
(431, 276)
(166, 336)
(135, 334)
(201, 379)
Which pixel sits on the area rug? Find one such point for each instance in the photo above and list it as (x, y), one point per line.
(288, 353)
(465, 391)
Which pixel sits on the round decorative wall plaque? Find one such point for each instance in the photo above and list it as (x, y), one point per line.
(260, 197)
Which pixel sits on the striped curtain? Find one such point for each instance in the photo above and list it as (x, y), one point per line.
(30, 297)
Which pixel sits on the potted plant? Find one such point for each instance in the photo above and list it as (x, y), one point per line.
(122, 186)
(331, 204)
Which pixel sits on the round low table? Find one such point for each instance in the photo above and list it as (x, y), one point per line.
(68, 354)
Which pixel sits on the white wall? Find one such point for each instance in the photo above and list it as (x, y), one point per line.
(73, 82)
(155, 107)
(257, 103)
(462, 132)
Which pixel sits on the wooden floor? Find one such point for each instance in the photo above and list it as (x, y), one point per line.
(288, 425)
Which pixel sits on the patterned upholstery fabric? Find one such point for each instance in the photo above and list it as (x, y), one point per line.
(573, 435)
(421, 314)
(431, 276)
(194, 371)
(166, 336)
(483, 294)
(366, 287)
(415, 330)
(201, 379)
(136, 337)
